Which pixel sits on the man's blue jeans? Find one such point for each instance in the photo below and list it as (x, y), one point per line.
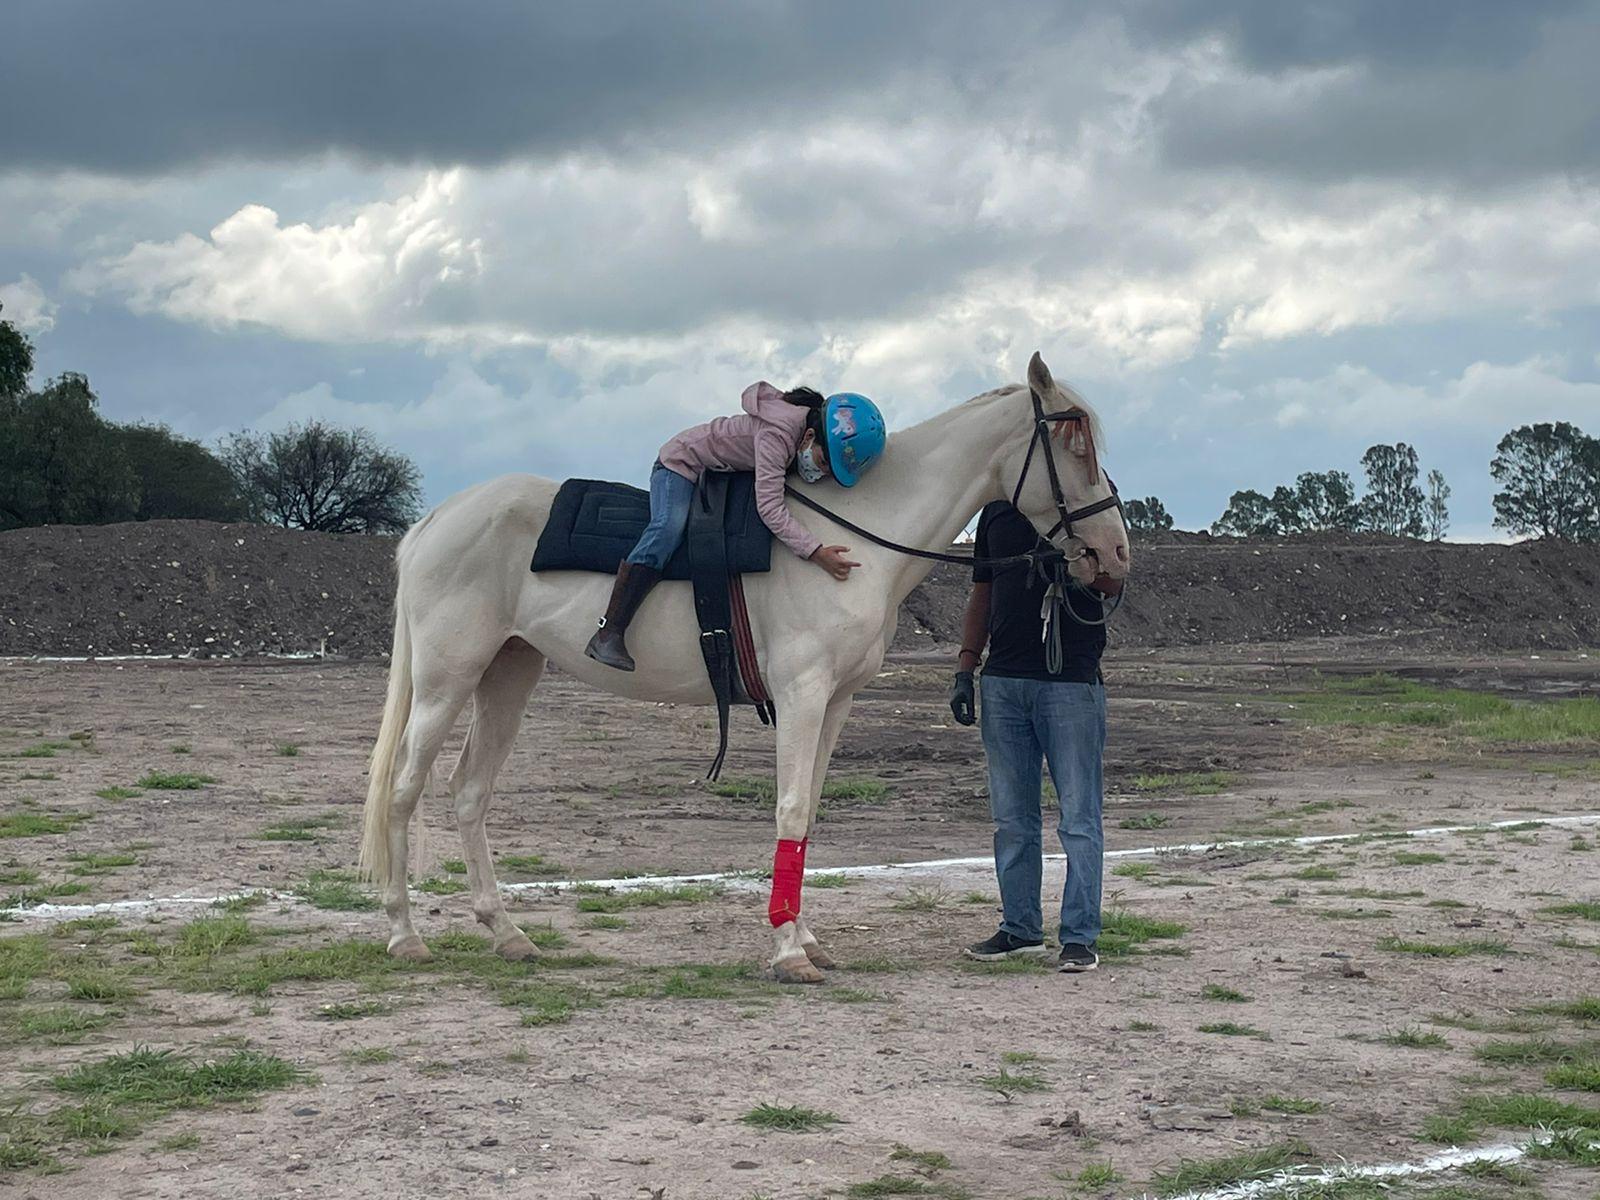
(670, 497)
(1024, 721)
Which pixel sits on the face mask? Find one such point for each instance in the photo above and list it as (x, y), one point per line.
(806, 463)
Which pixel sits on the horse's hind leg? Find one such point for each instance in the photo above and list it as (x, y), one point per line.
(437, 701)
(497, 708)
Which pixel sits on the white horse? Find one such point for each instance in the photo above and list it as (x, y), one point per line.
(472, 622)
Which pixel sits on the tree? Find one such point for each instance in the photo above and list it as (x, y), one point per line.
(1146, 516)
(1249, 514)
(1438, 515)
(1325, 500)
(179, 479)
(1551, 479)
(59, 460)
(1393, 503)
(16, 360)
(314, 476)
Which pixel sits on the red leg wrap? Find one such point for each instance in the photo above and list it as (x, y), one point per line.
(788, 867)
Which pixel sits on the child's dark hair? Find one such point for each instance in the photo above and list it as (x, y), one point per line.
(811, 399)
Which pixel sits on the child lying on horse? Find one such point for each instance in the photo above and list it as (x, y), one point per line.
(838, 437)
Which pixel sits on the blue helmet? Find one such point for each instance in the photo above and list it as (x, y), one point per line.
(855, 435)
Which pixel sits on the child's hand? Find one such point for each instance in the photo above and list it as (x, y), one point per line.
(832, 560)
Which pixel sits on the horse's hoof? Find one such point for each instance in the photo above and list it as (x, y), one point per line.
(516, 949)
(797, 968)
(820, 958)
(411, 948)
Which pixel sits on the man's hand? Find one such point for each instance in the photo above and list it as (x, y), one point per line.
(832, 560)
(963, 698)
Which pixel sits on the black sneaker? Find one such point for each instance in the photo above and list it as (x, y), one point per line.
(1002, 945)
(1076, 958)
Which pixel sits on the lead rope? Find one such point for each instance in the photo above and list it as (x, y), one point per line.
(1055, 595)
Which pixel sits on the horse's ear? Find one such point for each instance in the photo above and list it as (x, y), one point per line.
(1039, 378)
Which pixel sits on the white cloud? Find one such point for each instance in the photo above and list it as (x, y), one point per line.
(383, 273)
(26, 306)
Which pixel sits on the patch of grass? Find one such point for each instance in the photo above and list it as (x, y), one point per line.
(1448, 1129)
(1385, 701)
(41, 750)
(1415, 1039)
(779, 1118)
(43, 893)
(1234, 1029)
(1442, 949)
(179, 1141)
(58, 1026)
(1097, 1176)
(1521, 1110)
(649, 896)
(1215, 991)
(438, 886)
(1589, 910)
(18, 876)
(1016, 1058)
(826, 879)
(369, 1055)
(1318, 873)
(605, 921)
(1416, 858)
(1122, 932)
(917, 898)
(525, 864)
(1535, 1051)
(303, 830)
(1585, 1008)
(165, 781)
(241, 903)
(1291, 1104)
(1011, 1082)
(117, 792)
(37, 824)
(100, 864)
(763, 791)
(923, 1160)
(336, 891)
(1143, 1026)
(1205, 1174)
(1022, 964)
(351, 960)
(1145, 821)
(205, 937)
(146, 1082)
(1576, 1076)
(1182, 783)
(286, 750)
(1134, 870)
(546, 937)
(352, 1010)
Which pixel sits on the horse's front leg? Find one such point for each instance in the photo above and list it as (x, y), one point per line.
(832, 723)
(800, 734)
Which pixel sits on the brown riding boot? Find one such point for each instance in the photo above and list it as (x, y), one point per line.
(633, 585)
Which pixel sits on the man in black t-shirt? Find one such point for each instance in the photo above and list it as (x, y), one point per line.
(1030, 714)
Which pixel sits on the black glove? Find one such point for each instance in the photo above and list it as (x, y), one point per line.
(963, 698)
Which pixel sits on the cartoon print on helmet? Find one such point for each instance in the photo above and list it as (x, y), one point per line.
(856, 435)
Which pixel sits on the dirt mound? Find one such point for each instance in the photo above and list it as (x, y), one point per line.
(197, 587)
(1193, 588)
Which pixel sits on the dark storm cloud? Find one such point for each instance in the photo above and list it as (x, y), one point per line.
(1484, 93)
(142, 88)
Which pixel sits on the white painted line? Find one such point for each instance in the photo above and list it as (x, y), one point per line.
(750, 880)
(934, 865)
(1295, 1177)
(187, 656)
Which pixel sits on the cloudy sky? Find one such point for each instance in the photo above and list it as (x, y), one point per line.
(515, 236)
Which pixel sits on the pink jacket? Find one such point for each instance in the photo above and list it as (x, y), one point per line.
(762, 439)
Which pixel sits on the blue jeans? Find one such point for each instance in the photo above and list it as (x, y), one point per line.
(1025, 720)
(670, 497)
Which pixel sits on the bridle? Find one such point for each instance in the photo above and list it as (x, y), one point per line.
(1049, 560)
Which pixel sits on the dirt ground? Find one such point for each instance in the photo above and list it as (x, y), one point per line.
(1370, 973)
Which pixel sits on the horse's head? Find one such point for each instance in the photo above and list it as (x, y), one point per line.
(1057, 483)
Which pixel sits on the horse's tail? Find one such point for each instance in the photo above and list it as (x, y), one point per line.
(380, 782)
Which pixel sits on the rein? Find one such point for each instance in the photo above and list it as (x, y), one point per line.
(1047, 559)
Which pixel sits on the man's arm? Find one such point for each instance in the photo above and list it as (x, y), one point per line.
(975, 628)
(974, 637)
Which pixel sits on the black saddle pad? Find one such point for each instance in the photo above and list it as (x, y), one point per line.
(594, 524)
